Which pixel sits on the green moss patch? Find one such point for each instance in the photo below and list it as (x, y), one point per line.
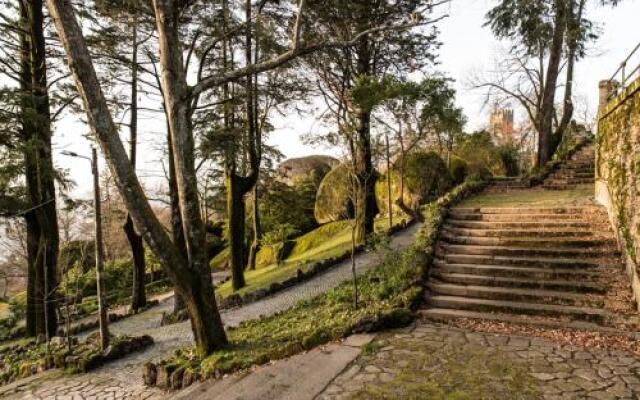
(422, 370)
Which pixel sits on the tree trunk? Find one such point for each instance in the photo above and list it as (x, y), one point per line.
(255, 244)
(235, 226)
(40, 175)
(138, 297)
(366, 207)
(176, 221)
(573, 31)
(548, 99)
(252, 126)
(188, 273)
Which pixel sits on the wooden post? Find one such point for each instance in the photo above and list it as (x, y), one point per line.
(389, 202)
(102, 308)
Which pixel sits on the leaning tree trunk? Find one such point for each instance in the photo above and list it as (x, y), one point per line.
(186, 271)
(545, 141)
(176, 222)
(138, 297)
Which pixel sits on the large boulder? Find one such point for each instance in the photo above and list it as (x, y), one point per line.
(333, 201)
(316, 166)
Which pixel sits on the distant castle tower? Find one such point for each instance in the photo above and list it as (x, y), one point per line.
(501, 125)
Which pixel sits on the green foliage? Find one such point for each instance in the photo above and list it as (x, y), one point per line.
(484, 158)
(78, 254)
(282, 204)
(458, 168)
(509, 157)
(426, 177)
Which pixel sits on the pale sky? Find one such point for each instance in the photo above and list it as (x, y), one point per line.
(467, 46)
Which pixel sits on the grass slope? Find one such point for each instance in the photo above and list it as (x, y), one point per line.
(327, 241)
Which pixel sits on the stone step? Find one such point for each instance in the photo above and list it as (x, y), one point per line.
(523, 217)
(529, 283)
(543, 296)
(569, 180)
(529, 241)
(517, 307)
(513, 271)
(540, 262)
(574, 173)
(499, 250)
(536, 224)
(528, 210)
(448, 315)
(567, 187)
(551, 234)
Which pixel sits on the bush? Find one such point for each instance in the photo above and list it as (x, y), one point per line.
(458, 168)
(510, 159)
(481, 155)
(426, 178)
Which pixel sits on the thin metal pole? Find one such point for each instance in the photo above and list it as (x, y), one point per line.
(389, 201)
(102, 308)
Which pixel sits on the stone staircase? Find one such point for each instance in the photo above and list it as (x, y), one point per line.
(542, 265)
(578, 171)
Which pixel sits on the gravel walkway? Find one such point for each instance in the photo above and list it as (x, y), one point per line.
(122, 379)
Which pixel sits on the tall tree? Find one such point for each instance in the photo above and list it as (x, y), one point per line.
(546, 32)
(339, 69)
(42, 221)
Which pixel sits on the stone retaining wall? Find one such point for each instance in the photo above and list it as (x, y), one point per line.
(617, 170)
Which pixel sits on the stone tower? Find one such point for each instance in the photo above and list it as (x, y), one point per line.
(501, 125)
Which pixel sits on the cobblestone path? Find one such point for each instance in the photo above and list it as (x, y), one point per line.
(122, 379)
(433, 361)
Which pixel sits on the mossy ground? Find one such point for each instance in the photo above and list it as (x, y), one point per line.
(385, 295)
(421, 369)
(531, 197)
(328, 241)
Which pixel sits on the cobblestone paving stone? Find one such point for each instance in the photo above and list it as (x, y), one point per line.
(122, 379)
(493, 366)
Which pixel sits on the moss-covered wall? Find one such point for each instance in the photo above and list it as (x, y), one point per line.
(617, 170)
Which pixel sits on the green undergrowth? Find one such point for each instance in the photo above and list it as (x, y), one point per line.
(329, 241)
(25, 358)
